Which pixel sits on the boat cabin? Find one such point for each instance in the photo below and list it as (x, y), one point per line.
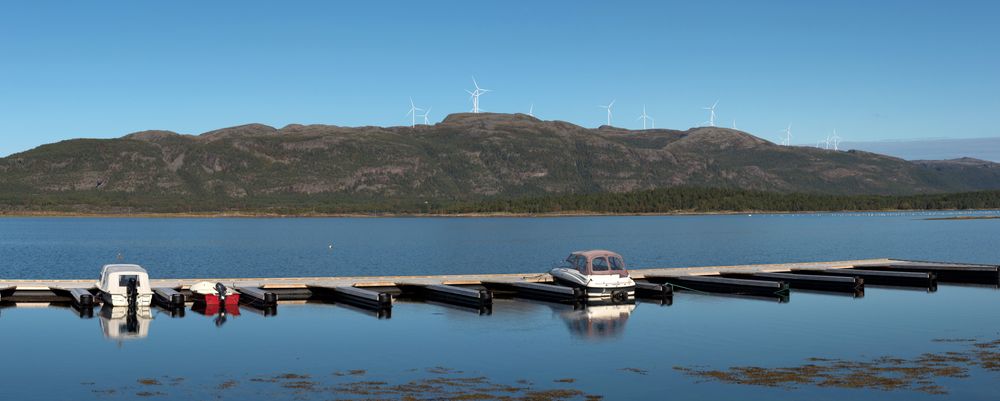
(597, 262)
(115, 281)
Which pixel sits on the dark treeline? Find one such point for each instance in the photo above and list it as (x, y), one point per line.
(668, 200)
(689, 199)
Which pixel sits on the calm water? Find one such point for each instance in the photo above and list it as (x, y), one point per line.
(620, 351)
(77, 247)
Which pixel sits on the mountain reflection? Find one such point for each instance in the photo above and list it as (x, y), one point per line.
(596, 321)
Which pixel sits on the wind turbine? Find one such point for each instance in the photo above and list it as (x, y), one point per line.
(644, 117)
(734, 124)
(413, 113)
(426, 113)
(474, 95)
(711, 114)
(609, 106)
(531, 110)
(836, 140)
(788, 136)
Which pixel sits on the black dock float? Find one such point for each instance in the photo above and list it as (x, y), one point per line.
(546, 292)
(945, 272)
(292, 294)
(168, 298)
(81, 297)
(848, 284)
(725, 285)
(257, 297)
(653, 291)
(875, 277)
(6, 292)
(474, 298)
(355, 296)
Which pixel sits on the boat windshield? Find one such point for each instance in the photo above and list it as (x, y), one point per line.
(577, 262)
(600, 264)
(617, 263)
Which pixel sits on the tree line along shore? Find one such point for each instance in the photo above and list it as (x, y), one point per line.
(676, 200)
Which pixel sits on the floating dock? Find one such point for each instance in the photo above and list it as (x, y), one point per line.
(477, 291)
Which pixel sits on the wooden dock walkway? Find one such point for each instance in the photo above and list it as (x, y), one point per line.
(477, 289)
(456, 279)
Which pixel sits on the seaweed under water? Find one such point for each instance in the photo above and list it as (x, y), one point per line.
(883, 373)
(444, 384)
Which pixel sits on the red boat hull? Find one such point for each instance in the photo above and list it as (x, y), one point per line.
(213, 300)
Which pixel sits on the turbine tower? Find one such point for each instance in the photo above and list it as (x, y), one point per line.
(531, 110)
(609, 106)
(644, 117)
(711, 114)
(427, 113)
(787, 141)
(836, 140)
(413, 113)
(474, 95)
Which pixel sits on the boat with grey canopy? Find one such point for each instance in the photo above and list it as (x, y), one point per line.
(602, 274)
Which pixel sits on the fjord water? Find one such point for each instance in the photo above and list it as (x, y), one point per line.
(241, 247)
(620, 352)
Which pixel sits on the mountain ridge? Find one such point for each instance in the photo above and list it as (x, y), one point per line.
(463, 158)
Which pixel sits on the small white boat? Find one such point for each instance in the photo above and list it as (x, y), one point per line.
(122, 285)
(601, 273)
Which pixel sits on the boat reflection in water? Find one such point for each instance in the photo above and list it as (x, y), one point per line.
(596, 321)
(125, 323)
(221, 313)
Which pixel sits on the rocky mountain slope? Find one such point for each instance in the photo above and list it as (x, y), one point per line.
(467, 156)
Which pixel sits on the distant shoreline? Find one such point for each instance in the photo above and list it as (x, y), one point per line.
(214, 215)
(964, 218)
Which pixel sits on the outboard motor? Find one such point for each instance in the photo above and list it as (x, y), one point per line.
(220, 319)
(221, 290)
(132, 291)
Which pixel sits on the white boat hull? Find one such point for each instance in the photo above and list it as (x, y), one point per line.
(115, 300)
(596, 286)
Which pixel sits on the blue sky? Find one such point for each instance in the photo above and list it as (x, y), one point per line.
(872, 70)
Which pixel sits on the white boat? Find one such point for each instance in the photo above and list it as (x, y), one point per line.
(120, 283)
(601, 273)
